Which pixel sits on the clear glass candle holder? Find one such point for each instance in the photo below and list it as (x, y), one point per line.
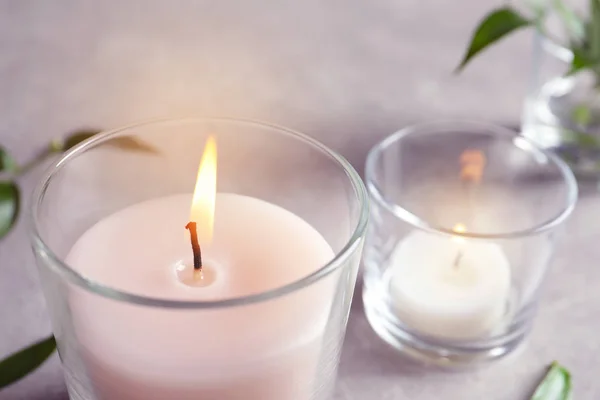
(127, 333)
(464, 220)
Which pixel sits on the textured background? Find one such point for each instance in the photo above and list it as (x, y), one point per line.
(347, 72)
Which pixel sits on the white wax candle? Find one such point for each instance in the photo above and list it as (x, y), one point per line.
(448, 287)
(267, 350)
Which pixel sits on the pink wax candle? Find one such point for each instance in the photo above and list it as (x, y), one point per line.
(264, 350)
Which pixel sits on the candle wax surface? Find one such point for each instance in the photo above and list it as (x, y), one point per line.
(256, 247)
(449, 287)
(267, 350)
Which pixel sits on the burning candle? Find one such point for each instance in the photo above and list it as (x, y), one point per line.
(230, 247)
(449, 287)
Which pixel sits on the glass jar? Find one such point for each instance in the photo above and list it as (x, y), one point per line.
(464, 220)
(278, 340)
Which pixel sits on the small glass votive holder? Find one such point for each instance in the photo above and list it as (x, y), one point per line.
(464, 220)
(289, 224)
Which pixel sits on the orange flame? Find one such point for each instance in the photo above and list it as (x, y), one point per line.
(205, 192)
(472, 165)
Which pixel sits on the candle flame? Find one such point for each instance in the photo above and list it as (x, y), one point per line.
(459, 228)
(205, 192)
(472, 163)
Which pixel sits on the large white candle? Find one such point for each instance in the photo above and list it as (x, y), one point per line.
(447, 287)
(267, 350)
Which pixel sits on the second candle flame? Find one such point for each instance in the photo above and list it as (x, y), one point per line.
(459, 228)
(205, 192)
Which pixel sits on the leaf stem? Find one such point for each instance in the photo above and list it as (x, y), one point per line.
(41, 157)
(34, 162)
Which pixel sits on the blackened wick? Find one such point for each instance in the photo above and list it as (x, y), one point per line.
(191, 226)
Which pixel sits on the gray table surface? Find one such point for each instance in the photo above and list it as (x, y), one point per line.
(347, 72)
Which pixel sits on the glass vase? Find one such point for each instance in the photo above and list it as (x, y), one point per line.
(562, 111)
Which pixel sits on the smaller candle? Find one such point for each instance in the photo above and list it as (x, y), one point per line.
(449, 287)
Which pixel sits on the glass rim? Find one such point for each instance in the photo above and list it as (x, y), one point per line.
(555, 48)
(59, 266)
(497, 131)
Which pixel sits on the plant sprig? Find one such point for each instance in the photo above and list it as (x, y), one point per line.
(494, 27)
(583, 34)
(10, 170)
(21, 363)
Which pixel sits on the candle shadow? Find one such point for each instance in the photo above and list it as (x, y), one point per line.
(365, 354)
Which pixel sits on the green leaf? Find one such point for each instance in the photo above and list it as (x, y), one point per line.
(7, 163)
(77, 137)
(593, 31)
(494, 27)
(123, 142)
(9, 206)
(19, 364)
(133, 144)
(580, 61)
(556, 384)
